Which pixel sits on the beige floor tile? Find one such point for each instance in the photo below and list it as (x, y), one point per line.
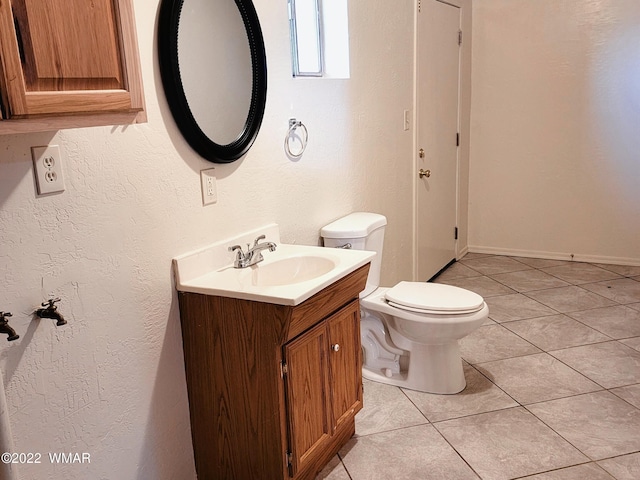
(494, 265)
(408, 454)
(458, 270)
(610, 364)
(529, 280)
(577, 273)
(472, 255)
(617, 321)
(630, 393)
(624, 290)
(507, 308)
(540, 262)
(536, 378)
(483, 286)
(632, 342)
(479, 396)
(626, 467)
(586, 471)
(570, 299)
(625, 270)
(508, 444)
(555, 332)
(334, 470)
(600, 424)
(385, 408)
(493, 342)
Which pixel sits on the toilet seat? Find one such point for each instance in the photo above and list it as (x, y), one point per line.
(433, 298)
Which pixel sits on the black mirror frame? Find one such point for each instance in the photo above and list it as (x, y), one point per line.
(168, 21)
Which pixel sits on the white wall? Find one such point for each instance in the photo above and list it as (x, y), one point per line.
(555, 162)
(111, 382)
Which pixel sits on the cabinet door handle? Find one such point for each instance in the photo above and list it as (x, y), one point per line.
(335, 347)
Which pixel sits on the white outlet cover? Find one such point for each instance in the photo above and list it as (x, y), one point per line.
(47, 163)
(208, 185)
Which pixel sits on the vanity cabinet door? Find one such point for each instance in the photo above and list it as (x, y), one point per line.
(307, 387)
(345, 363)
(66, 57)
(323, 383)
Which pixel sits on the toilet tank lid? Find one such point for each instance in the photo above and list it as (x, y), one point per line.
(354, 225)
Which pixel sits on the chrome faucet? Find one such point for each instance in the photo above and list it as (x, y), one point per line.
(253, 255)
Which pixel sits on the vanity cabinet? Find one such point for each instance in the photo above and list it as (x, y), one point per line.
(273, 389)
(68, 63)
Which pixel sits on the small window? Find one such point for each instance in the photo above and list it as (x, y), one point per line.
(319, 38)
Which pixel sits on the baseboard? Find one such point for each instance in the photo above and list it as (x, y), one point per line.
(553, 255)
(462, 252)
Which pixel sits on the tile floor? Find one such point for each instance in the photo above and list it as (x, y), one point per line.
(553, 384)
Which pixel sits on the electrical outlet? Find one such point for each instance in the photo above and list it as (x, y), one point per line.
(208, 184)
(47, 164)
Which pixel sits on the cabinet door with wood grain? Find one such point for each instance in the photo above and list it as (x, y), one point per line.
(63, 57)
(307, 387)
(345, 364)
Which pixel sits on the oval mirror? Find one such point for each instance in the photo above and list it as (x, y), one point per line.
(214, 73)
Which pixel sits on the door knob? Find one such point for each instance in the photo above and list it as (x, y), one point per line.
(335, 347)
(424, 173)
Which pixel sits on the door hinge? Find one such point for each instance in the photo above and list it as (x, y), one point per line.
(455, 233)
(457, 139)
(459, 37)
(283, 369)
(419, 6)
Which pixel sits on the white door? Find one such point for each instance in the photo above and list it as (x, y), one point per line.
(437, 100)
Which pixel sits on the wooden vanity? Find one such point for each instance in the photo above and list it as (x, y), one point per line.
(273, 389)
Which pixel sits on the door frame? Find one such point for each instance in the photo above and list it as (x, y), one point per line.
(464, 120)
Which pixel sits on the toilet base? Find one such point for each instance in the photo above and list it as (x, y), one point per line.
(431, 369)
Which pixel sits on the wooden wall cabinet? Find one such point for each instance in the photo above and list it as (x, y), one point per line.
(68, 63)
(273, 389)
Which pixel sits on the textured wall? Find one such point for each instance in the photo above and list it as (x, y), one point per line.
(111, 382)
(555, 163)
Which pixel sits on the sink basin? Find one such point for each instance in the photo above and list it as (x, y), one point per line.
(290, 270)
(288, 276)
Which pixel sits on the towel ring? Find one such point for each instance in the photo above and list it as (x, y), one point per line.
(291, 133)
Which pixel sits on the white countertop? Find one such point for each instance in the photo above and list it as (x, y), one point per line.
(210, 270)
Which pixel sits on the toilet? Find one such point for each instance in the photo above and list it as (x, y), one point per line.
(409, 332)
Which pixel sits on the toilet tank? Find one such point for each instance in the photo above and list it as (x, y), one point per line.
(364, 231)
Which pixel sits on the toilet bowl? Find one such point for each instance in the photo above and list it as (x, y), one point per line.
(409, 332)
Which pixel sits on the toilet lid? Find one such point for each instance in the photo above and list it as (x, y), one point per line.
(433, 298)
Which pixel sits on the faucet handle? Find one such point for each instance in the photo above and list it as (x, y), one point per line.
(261, 237)
(3, 316)
(233, 248)
(51, 303)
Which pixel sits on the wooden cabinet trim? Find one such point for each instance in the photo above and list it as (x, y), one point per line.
(327, 301)
(45, 110)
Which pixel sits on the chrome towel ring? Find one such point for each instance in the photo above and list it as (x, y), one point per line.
(292, 134)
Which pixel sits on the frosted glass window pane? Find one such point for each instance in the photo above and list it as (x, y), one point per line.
(307, 37)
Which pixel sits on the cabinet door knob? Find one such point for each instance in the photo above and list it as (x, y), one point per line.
(335, 347)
